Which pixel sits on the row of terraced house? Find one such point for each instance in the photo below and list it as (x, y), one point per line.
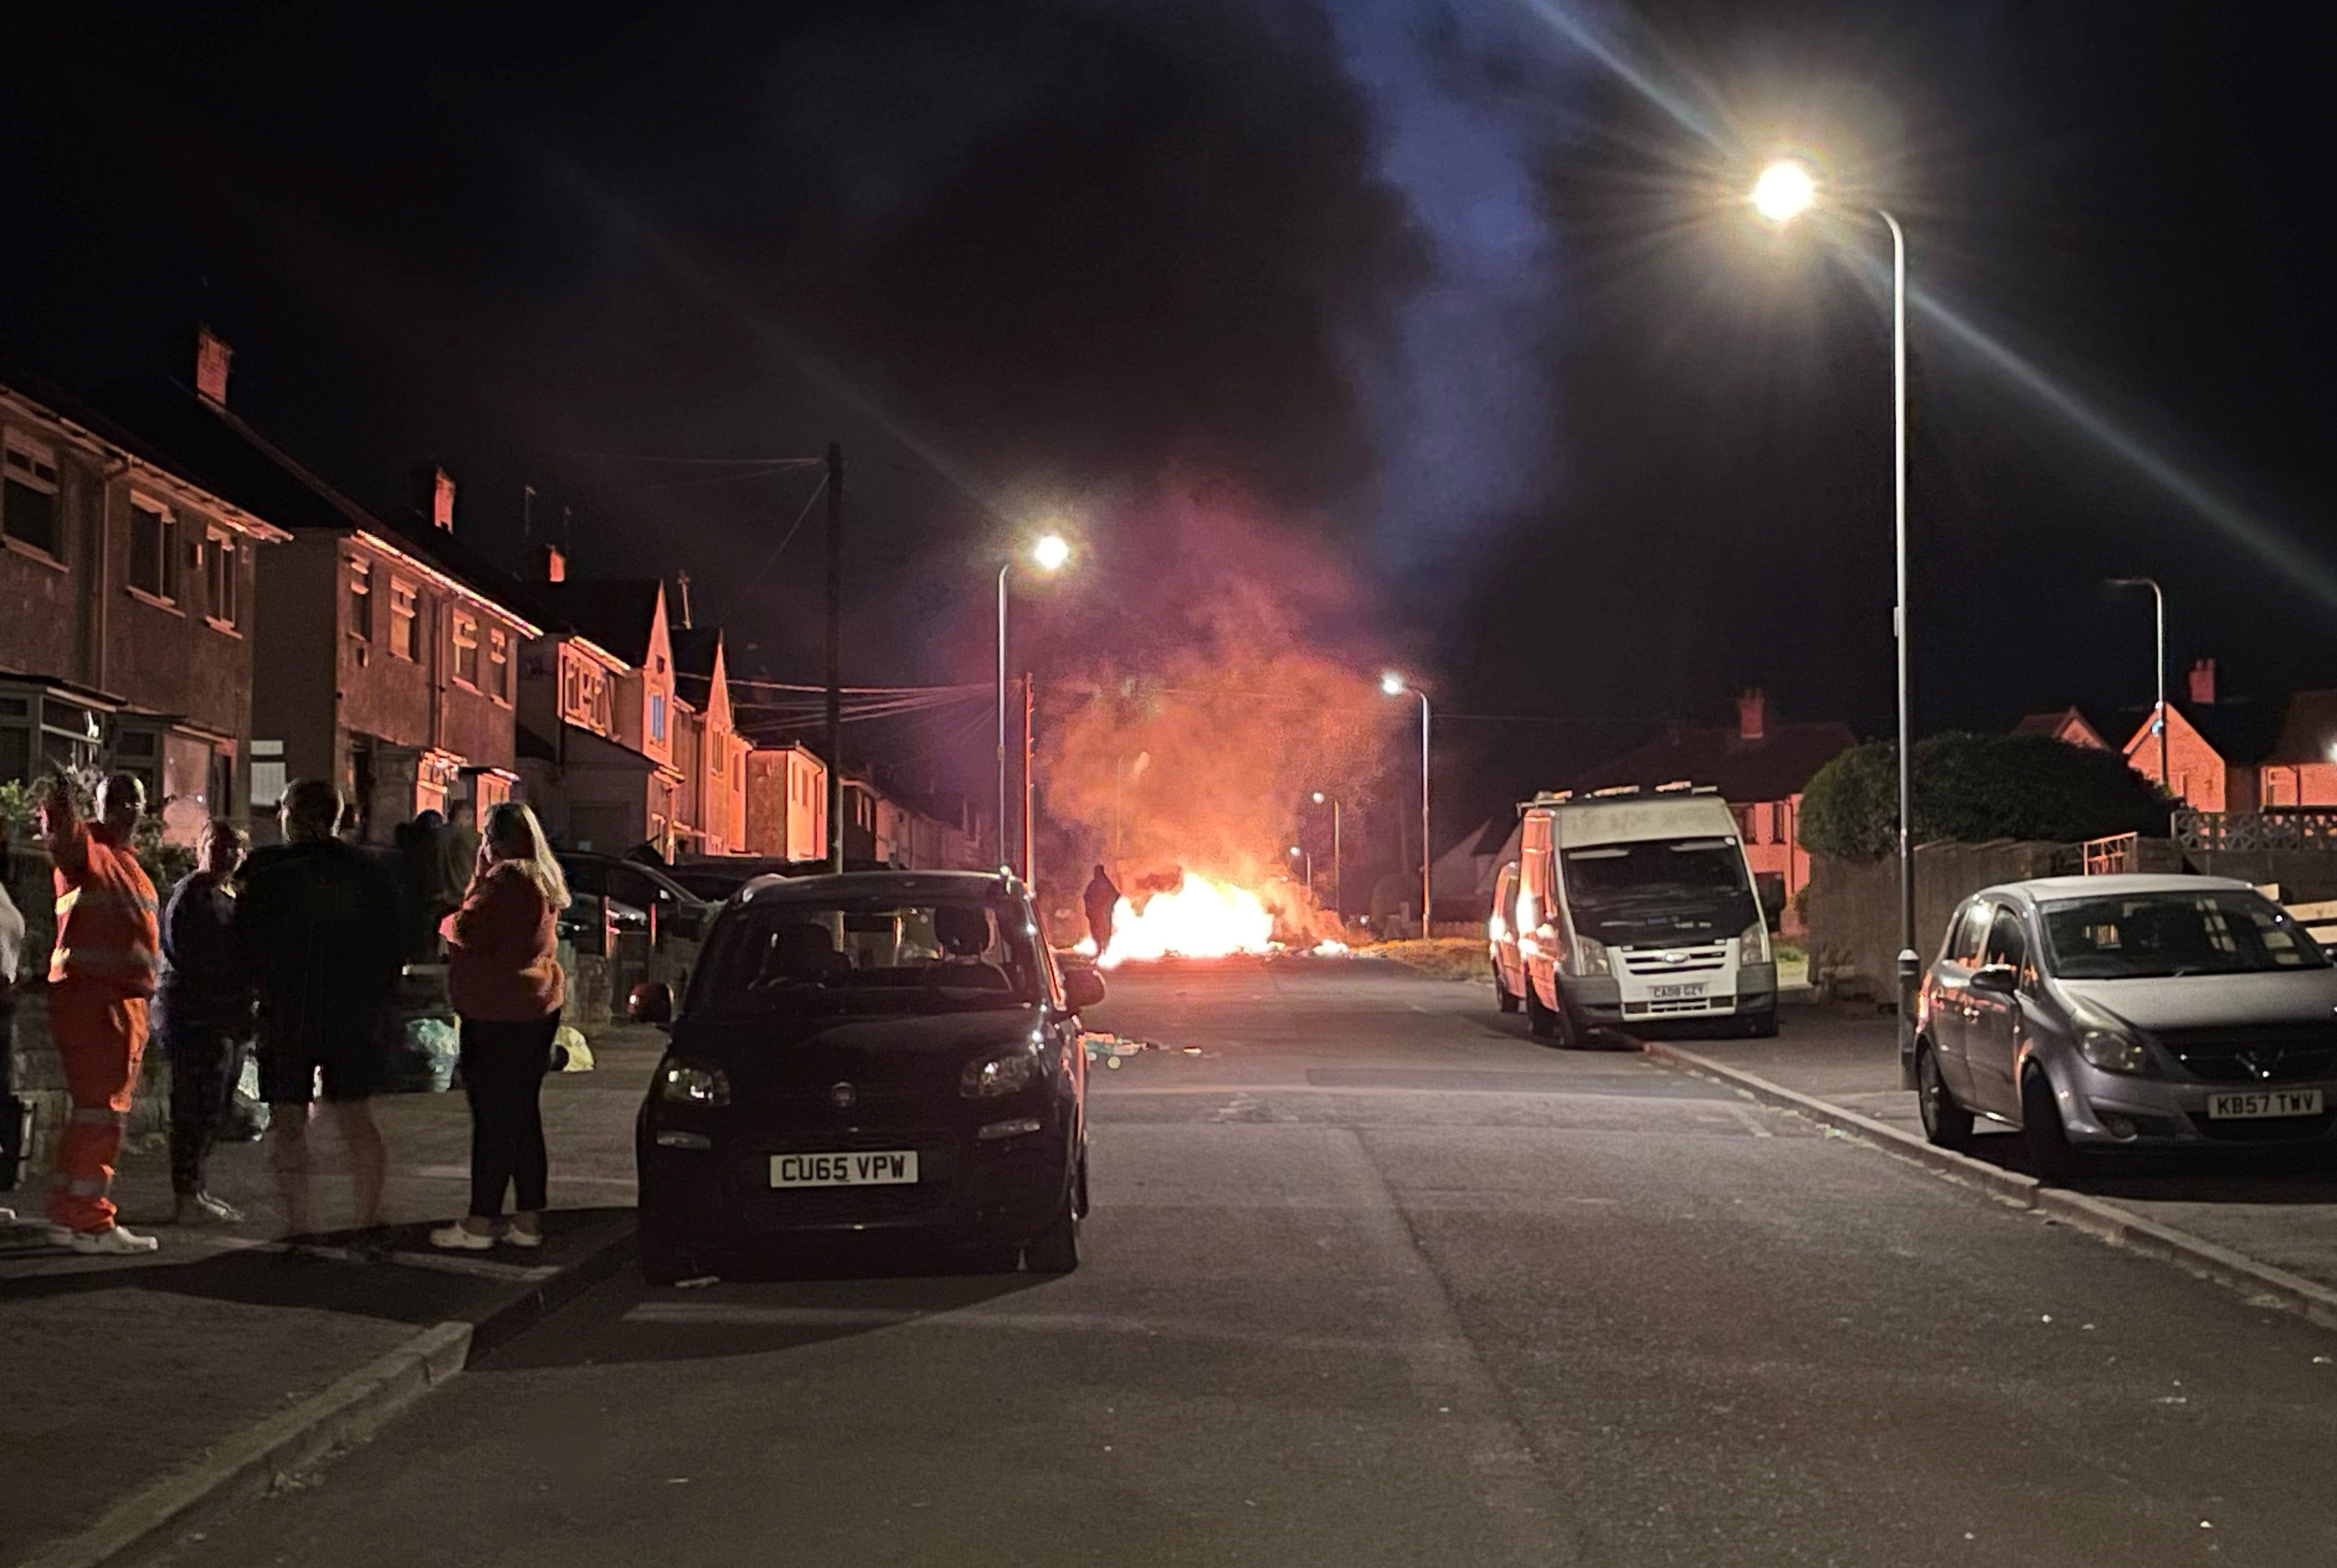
(181, 599)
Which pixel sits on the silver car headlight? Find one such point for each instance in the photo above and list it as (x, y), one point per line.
(2114, 1051)
(1752, 946)
(1590, 956)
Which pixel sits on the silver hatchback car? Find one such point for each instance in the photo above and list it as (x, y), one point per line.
(2128, 1012)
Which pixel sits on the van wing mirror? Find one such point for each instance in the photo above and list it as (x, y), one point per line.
(1083, 989)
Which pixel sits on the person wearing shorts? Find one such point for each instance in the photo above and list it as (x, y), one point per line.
(320, 923)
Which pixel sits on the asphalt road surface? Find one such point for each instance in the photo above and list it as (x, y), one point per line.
(1376, 1278)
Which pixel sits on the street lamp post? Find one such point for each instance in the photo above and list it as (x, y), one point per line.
(1785, 190)
(1338, 882)
(1307, 862)
(1394, 684)
(2158, 713)
(1047, 554)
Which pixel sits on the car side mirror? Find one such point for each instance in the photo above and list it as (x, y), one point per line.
(1083, 989)
(650, 1002)
(1998, 979)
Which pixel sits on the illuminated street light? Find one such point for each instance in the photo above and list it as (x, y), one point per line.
(1785, 190)
(1338, 880)
(1393, 684)
(1049, 553)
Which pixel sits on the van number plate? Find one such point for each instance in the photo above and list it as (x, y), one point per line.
(1684, 989)
(2258, 1103)
(858, 1168)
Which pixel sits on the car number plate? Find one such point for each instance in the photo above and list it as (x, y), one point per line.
(856, 1168)
(1675, 992)
(2250, 1103)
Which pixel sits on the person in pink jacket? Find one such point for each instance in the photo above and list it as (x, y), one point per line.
(504, 978)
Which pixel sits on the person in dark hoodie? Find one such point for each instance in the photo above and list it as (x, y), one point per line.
(320, 923)
(203, 1014)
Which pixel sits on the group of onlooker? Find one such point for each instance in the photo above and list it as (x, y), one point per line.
(297, 947)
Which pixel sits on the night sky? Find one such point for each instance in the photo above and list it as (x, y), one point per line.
(1438, 290)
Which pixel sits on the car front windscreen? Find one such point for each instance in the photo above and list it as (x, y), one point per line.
(2145, 936)
(1660, 891)
(868, 955)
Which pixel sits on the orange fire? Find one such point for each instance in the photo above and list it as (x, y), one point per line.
(1202, 917)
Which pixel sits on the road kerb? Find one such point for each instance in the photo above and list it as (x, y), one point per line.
(250, 1464)
(286, 1443)
(2195, 1254)
(2096, 1217)
(2011, 1186)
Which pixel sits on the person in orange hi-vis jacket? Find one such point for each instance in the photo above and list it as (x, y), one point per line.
(101, 975)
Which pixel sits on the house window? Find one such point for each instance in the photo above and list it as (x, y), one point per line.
(656, 716)
(466, 649)
(28, 497)
(405, 622)
(361, 600)
(499, 664)
(219, 584)
(153, 549)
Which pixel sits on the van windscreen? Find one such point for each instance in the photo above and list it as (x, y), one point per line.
(1660, 891)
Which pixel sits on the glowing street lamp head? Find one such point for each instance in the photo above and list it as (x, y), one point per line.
(1319, 797)
(1049, 551)
(1785, 191)
(1393, 684)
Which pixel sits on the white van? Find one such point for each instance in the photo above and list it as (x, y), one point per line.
(1635, 909)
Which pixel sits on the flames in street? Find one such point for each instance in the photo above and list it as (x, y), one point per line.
(1201, 917)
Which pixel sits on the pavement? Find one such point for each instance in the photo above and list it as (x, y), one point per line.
(1374, 1278)
(137, 1388)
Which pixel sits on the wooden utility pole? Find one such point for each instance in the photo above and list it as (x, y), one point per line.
(835, 656)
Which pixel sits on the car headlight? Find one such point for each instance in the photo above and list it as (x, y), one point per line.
(2114, 1051)
(1590, 956)
(1753, 945)
(689, 1083)
(1007, 1073)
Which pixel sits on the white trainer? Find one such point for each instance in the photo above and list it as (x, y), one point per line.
(457, 1238)
(112, 1242)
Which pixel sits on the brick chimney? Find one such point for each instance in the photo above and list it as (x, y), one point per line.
(2203, 683)
(433, 495)
(1751, 715)
(211, 359)
(555, 564)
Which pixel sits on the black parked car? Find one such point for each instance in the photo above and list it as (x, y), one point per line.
(679, 911)
(879, 1052)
